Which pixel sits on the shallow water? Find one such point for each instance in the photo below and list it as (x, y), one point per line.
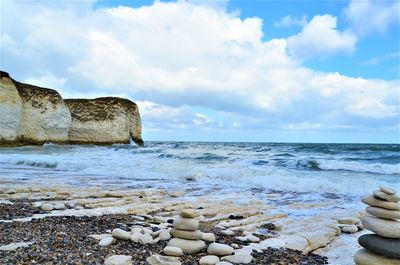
(346, 169)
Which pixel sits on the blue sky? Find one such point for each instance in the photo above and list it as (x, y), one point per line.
(280, 71)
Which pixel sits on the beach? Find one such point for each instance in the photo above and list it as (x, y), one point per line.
(57, 202)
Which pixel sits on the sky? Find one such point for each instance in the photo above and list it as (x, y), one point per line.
(247, 71)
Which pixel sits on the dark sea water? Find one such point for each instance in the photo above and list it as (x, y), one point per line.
(348, 169)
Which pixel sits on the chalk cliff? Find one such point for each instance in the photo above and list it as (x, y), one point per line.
(104, 121)
(35, 115)
(10, 109)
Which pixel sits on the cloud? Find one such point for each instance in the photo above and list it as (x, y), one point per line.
(321, 38)
(366, 17)
(289, 21)
(192, 66)
(379, 59)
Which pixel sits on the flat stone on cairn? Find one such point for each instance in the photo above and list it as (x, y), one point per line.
(383, 247)
(186, 234)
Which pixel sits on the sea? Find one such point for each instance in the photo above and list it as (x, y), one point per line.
(308, 169)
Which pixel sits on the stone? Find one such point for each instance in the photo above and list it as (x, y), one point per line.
(372, 201)
(349, 229)
(383, 213)
(135, 237)
(104, 120)
(390, 198)
(210, 237)
(219, 249)
(239, 258)
(173, 251)
(224, 263)
(188, 213)
(209, 260)
(146, 239)
(118, 260)
(164, 235)
(388, 190)
(162, 260)
(107, 241)
(365, 257)
(121, 234)
(59, 206)
(234, 245)
(194, 235)
(227, 232)
(382, 246)
(47, 207)
(348, 220)
(100, 237)
(187, 246)
(253, 239)
(382, 227)
(185, 223)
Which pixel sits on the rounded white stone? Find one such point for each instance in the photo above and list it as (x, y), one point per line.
(121, 234)
(173, 251)
(219, 249)
(388, 190)
(186, 223)
(365, 257)
(209, 260)
(118, 260)
(107, 241)
(187, 246)
(382, 227)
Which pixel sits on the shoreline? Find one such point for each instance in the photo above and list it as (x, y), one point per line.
(27, 207)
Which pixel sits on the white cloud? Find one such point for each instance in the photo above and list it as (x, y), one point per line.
(289, 21)
(367, 17)
(175, 57)
(321, 38)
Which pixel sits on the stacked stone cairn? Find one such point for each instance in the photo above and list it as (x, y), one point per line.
(383, 219)
(187, 237)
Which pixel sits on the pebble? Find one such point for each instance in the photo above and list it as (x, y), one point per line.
(146, 239)
(194, 235)
(209, 260)
(107, 241)
(135, 237)
(47, 207)
(390, 198)
(349, 229)
(387, 247)
(173, 251)
(235, 245)
(253, 239)
(187, 246)
(162, 260)
(186, 223)
(121, 234)
(210, 237)
(239, 258)
(227, 232)
(382, 227)
(224, 263)
(372, 201)
(59, 206)
(118, 260)
(365, 257)
(219, 249)
(348, 220)
(383, 213)
(388, 190)
(164, 235)
(188, 213)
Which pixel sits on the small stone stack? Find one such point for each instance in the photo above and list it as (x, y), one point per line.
(383, 247)
(186, 235)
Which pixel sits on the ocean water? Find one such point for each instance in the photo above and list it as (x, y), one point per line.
(312, 170)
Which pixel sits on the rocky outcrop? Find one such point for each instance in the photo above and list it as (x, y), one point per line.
(45, 117)
(35, 115)
(104, 121)
(10, 109)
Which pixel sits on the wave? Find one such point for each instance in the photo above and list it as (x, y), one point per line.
(378, 168)
(40, 164)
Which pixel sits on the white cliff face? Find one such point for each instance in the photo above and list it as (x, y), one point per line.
(45, 117)
(10, 109)
(104, 121)
(35, 115)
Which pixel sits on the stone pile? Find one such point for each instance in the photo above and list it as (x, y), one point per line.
(186, 235)
(383, 219)
(349, 225)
